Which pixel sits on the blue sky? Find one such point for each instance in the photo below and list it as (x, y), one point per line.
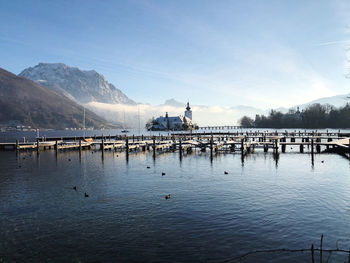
(258, 53)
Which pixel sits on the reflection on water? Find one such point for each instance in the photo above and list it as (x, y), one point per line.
(266, 200)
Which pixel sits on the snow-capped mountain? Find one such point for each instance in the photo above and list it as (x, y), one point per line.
(337, 101)
(82, 86)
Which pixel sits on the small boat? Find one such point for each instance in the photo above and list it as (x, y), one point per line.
(88, 140)
(124, 131)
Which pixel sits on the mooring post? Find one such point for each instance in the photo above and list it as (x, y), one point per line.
(56, 146)
(312, 254)
(328, 140)
(17, 146)
(312, 146)
(133, 138)
(103, 145)
(127, 145)
(301, 148)
(180, 147)
(321, 248)
(80, 147)
(276, 145)
(37, 145)
(154, 147)
(211, 146)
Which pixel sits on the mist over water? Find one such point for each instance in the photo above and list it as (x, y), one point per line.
(265, 201)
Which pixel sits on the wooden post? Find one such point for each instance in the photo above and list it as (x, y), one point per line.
(154, 147)
(321, 248)
(301, 148)
(37, 145)
(127, 144)
(266, 147)
(312, 254)
(17, 146)
(180, 148)
(103, 145)
(283, 148)
(318, 148)
(328, 140)
(312, 146)
(133, 138)
(56, 146)
(211, 146)
(80, 147)
(276, 145)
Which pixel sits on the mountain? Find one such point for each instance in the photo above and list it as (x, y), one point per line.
(337, 101)
(82, 86)
(174, 103)
(25, 102)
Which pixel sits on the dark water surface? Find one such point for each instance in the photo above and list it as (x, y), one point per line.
(262, 203)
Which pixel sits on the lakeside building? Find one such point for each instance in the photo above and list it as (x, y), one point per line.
(173, 122)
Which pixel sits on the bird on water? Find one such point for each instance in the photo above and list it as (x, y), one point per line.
(225, 172)
(167, 197)
(163, 174)
(86, 195)
(74, 188)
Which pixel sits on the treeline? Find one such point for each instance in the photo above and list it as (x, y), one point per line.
(315, 116)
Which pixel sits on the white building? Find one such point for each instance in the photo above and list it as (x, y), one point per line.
(173, 123)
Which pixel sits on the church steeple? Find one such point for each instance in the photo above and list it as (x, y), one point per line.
(188, 106)
(188, 112)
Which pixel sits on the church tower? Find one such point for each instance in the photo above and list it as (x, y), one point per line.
(188, 112)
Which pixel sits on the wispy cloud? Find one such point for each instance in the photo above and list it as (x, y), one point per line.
(337, 42)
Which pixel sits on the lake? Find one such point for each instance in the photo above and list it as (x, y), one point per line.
(266, 201)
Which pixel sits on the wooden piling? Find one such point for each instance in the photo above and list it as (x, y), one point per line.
(154, 147)
(321, 248)
(37, 145)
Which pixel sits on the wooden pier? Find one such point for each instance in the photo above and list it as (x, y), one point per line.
(241, 142)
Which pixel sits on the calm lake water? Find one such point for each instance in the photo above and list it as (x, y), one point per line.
(264, 202)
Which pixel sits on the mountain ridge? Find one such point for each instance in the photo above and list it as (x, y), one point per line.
(82, 86)
(26, 102)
